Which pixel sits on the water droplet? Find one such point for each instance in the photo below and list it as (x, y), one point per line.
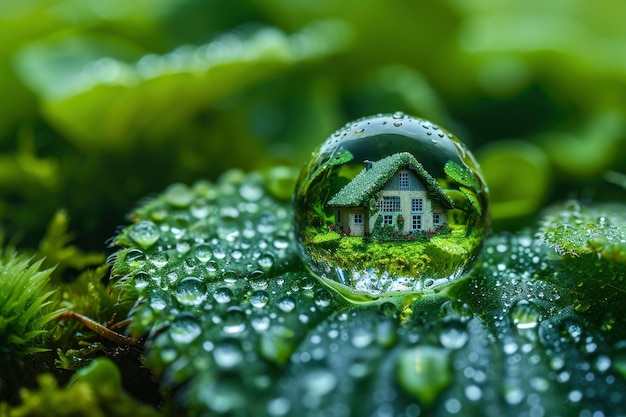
(185, 329)
(157, 302)
(278, 407)
(386, 192)
(227, 354)
(200, 208)
(453, 336)
(145, 233)
(230, 276)
(266, 261)
(178, 195)
(455, 310)
(259, 299)
(135, 255)
(525, 316)
(141, 280)
(203, 253)
(319, 382)
(251, 192)
(260, 323)
(191, 292)
(362, 338)
(219, 252)
(223, 295)
(424, 372)
(307, 283)
(234, 321)
(322, 298)
(160, 259)
(287, 304)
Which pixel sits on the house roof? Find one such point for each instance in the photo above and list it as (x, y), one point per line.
(367, 182)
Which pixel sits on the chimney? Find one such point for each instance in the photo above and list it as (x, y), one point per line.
(368, 164)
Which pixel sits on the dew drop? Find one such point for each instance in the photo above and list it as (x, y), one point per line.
(453, 336)
(178, 195)
(362, 338)
(184, 329)
(259, 299)
(363, 199)
(160, 259)
(322, 298)
(191, 292)
(261, 323)
(227, 354)
(525, 316)
(203, 253)
(287, 304)
(223, 295)
(251, 192)
(145, 233)
(266, 261)
(278, 407)
(234, 322)
(141, 280)
(135, 255)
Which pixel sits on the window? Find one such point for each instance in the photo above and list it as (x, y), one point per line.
(390, 203)
(403, 180)
(338, 216)
(357, 218)
(437, 219)
(417, 205)
(416, 222)
(388, 219)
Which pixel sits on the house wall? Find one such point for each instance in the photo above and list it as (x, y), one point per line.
(406, 197)
(346, 216)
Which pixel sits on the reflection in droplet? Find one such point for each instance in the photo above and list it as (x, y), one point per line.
(259, 298)
(141, 280)
(184, 329)
(322, 298)
(159, 259)
(203, 253)
(191, 292)
(145, 233)
(287, 304)
(223, 295)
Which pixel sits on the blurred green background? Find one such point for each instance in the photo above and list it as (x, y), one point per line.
(103, 102)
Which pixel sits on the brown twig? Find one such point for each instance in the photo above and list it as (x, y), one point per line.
(99, 328)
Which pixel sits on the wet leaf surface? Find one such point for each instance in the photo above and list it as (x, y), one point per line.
(235, 324)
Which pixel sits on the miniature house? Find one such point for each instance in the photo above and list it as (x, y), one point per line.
(395, 187)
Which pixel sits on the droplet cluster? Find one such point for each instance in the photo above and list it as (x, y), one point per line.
(390, 204)
(210, 267)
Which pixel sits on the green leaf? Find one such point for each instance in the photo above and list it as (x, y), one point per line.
(100, 91)
(235, 324)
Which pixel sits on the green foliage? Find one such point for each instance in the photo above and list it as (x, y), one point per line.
(537, 328)
(95, 391)
(26, 314)
(217, 325)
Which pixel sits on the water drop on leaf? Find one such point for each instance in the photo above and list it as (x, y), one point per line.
(424, 372)
(385, 210)
(191, 292)
(145, 233)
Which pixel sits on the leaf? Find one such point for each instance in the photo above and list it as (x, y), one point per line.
(576, 230)
(101, 91)
(235, 324)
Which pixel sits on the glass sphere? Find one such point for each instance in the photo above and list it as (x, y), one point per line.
(388, 205)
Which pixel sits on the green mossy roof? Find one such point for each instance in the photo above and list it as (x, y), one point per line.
(369, 181)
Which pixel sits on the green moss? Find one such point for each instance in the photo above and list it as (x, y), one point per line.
(26, 313)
